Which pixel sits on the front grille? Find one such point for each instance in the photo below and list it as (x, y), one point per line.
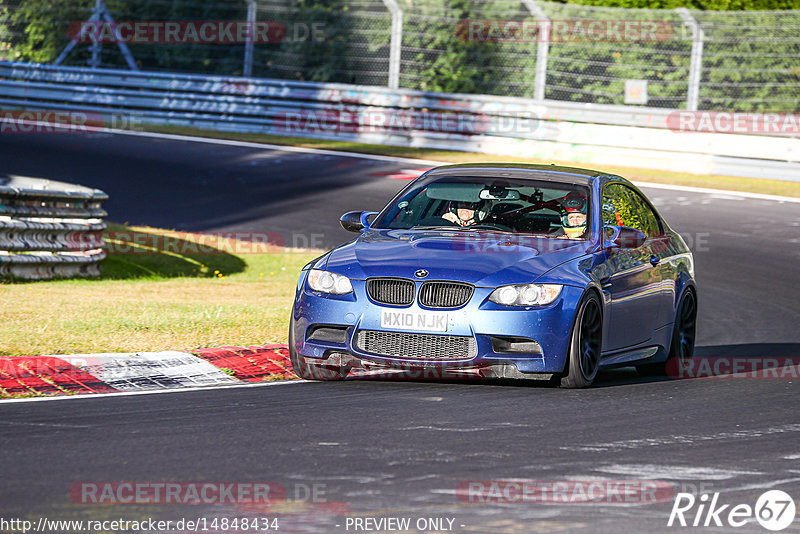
(417, 346)
(395, 291)
(444, 294)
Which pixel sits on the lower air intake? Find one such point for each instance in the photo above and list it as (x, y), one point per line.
(417, 346)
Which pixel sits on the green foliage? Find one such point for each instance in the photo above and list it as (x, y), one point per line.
(709, 5)
(202, 58)
(441, 56)
(37, 29)
(323, 43)
(618, 209)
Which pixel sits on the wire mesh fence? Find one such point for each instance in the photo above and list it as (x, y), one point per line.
(451, 50)
(741, 61)
(595, 68)
(346, 42)
(751, 61)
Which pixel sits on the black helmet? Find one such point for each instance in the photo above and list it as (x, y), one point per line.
(461, 205)
(479, 206)
(574, 202)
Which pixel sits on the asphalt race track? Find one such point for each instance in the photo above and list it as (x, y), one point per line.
(403, 449)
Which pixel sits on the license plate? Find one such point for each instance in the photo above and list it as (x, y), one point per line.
(417, 320)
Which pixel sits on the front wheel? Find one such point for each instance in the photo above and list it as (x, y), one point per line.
(585, 344)
(311, 368)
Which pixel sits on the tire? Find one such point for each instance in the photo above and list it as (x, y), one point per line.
(681, 348)
(311, 368)
(586, 342)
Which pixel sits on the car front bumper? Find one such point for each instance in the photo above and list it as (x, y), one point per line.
(484, 325)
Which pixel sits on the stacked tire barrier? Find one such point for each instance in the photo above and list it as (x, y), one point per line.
(49, 229)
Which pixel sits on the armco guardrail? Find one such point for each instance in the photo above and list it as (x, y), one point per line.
(49, 229)
(594, 133)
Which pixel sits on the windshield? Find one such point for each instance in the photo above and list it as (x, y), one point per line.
(548, 209)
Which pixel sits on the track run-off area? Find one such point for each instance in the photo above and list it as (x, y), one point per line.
(415, 449)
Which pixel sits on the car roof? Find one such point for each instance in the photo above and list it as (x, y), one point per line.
(530, 171)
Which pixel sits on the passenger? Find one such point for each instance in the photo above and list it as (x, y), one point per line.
(573, 217)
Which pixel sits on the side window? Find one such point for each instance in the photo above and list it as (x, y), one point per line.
(618, 210)
(650, 224)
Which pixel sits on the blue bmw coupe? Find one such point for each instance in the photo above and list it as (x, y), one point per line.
(500, 270)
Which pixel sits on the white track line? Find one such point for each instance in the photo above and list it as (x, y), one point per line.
(107, 396)
(397, 159)
(282, 148)
(742, 194)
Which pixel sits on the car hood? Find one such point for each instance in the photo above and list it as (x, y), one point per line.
(480, 258)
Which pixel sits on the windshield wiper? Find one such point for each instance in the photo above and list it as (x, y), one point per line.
(486, 230)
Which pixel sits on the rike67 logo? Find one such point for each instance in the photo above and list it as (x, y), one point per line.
(774, 510)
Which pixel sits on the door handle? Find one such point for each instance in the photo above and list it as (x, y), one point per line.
(654, 260)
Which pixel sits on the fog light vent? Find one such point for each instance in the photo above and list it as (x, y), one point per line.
(515, 345)
(329, 334)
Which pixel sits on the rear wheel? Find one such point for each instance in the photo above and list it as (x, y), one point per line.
(682, 346)
(311, 368)
(585, 345)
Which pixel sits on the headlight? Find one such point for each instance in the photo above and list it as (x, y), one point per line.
(328, 282)
(526, 294)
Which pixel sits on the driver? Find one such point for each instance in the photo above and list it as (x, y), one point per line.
(573, 216)
(464, 213)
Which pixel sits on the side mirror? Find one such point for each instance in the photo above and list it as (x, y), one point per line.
(356, 221)
(623, 237)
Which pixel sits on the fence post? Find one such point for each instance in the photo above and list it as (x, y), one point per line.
(396, 43)
(97, 44)
(542, 49)
(248, 46)
(100, 12)
(695, 67)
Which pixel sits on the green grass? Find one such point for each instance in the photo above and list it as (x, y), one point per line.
(730, 183)
(155, 301)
